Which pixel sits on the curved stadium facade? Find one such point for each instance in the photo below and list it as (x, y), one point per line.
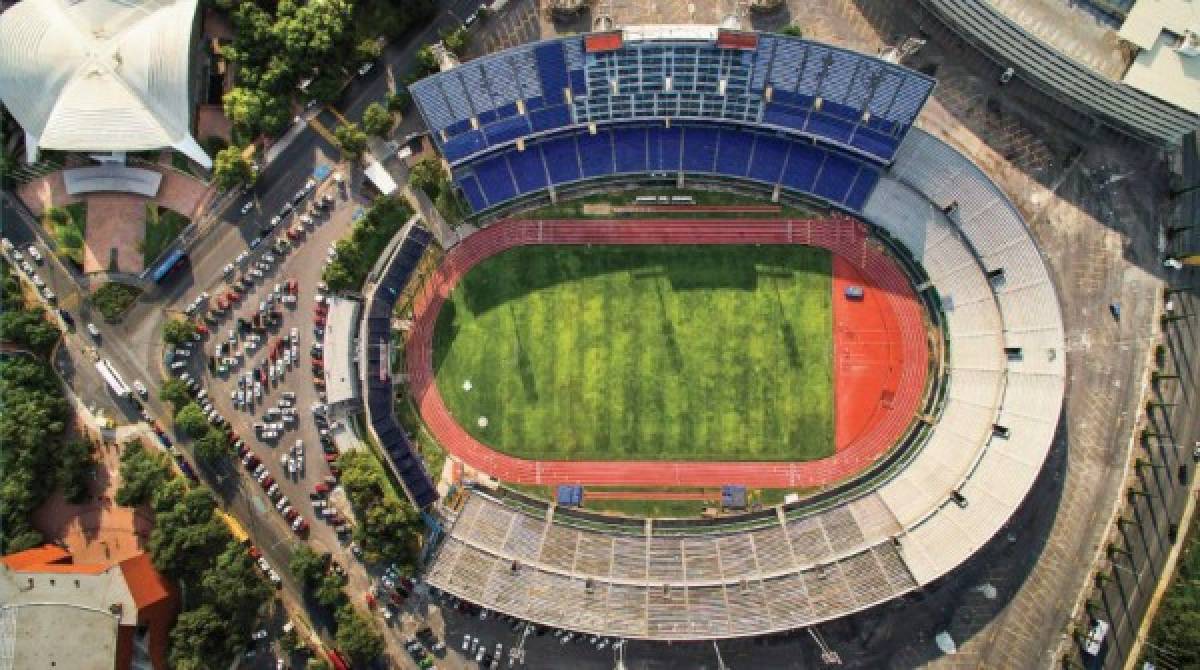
(793, 119)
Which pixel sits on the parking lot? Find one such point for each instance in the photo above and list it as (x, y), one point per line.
(263, 351)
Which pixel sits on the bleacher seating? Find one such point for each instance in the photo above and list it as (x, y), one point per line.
(402, 457)
(839, 97)
(761, 156)
(695, 586)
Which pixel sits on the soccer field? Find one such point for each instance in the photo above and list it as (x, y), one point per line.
(643, 352)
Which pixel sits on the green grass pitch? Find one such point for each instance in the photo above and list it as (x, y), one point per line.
(643, 352)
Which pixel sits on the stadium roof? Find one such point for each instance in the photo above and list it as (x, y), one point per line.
(100, 75)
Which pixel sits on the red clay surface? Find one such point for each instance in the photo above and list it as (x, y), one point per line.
(879, 345)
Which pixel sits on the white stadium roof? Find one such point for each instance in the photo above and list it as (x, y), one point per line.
(100, 75)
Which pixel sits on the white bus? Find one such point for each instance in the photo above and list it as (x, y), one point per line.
(114, 381)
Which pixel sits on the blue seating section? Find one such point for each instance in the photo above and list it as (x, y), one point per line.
(766, 157)
(402, 457)
(850, 100)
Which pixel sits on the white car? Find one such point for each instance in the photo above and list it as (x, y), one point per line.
(248, 206)
(6, 244)
(140, 388)
(93, 330)
(287, 357)
(295, 335)
(17, 255)
(37, 281)
(365, 68)
(241, 257)
(34, 254)
(228, 269)
(48, 294)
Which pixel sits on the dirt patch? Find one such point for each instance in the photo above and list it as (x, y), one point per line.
(97, 531)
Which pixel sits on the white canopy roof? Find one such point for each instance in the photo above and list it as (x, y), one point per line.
(100, 75)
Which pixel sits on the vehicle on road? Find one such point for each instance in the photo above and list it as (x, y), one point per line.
(34, 254)
(93, 331)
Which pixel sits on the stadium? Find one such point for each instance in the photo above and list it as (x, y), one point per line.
(925, 375)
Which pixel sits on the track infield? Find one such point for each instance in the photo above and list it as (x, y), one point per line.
(648, 352)
(879, 362)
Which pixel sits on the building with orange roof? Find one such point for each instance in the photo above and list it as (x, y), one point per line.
(119, 615)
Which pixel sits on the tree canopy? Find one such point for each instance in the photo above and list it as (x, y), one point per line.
(213, 445)
(307, 565)
(377, 120)
(187, 535)
(142, 473)
(178, 331)
(231, 169)
(357, 637)
(33, 415)
(351, 138)
(175, 392)
(192, 421)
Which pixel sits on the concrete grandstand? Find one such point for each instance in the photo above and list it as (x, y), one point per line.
(787, 119)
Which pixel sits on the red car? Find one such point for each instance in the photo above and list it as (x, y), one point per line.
(268, 482)
(254, 552)
(321, 488)
(293, 286)
(330, 458)
(302, 530)
(291, 514)
(319, 321)
(158, 429)
(222, 303)
(201, 328)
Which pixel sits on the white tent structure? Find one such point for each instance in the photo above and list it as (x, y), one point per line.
(100, 75)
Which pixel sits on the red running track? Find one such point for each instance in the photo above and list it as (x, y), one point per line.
(879, 344)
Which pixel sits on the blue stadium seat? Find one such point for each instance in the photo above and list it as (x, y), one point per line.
(508, 129)
(470, 188)
(828, 126)
(496, 180)
(873, 142)
(770, 154)
(837, 175)
(734, 149)
(463, 145)
(699, 148)
(803, 162)
(630, 145)
(785, 116)
(550, 117)
(867, 178)
(552, 69)
(670, 149)
(596, 153)
(528, 169)
(562, 159)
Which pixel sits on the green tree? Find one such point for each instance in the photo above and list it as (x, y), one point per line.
(178, 331)
(30, 329)
(377, 120)
(356, 637)
(367, 50)
(399, 101)
(792, 30)
(428, 175)
(27, 539)
(351, 138)
(329, 591)
(234, 587)
(213, 445)
(245, 109)
(457, 41)
(389, 530)
(75, 467)
(231, 169)
(325, 88)
(310, 34)
(175, 392)
(187, 536)
(317, 664)
(426, 61)
(307, 565)
(191, 420)
(142, 473)
(200, 639)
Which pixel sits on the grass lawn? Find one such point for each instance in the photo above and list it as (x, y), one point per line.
(162, 227)
(67, 224)
(643, 352)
